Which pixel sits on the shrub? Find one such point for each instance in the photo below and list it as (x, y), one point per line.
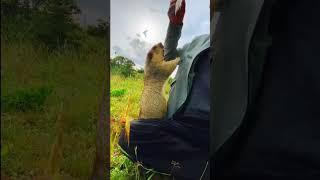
(141, 70)
(99, 30)
(123, 66)
(118, 92)
(49, 22)
(25, 99)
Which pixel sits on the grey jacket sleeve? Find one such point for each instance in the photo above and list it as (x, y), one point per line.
(171, 42)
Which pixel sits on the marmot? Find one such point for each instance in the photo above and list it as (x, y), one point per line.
(156, 72)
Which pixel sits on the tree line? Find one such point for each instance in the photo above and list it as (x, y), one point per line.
(124, 66)
(49, 22)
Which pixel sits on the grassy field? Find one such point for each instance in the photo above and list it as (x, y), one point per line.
(125, 98)
(43, 94)
(124, 92)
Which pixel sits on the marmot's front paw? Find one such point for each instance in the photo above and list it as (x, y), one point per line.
(156, 66)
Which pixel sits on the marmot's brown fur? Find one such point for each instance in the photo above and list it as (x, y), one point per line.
(156, 71)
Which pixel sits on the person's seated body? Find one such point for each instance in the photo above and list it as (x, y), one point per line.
(177, 144)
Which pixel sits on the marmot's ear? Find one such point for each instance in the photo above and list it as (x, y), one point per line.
(151, 52)
(150, 55)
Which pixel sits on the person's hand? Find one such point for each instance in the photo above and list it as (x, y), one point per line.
(176, 18)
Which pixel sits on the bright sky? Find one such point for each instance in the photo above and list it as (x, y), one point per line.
(136, 25)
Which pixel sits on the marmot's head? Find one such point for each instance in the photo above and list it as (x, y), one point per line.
(156, 67)
(156, 54)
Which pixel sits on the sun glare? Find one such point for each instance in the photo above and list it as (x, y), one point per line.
(149, 30)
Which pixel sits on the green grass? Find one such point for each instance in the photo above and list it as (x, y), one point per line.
(39, 87)
(25, 99)
(124, 92)
(42, 89)
(130, 87)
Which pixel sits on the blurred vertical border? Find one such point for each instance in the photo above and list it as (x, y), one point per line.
(55, 85)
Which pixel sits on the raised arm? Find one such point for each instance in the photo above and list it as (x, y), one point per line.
(174, 30)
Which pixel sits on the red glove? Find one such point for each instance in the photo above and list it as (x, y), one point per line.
(176, 18)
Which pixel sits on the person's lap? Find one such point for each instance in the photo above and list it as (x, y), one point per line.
(165, 145)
